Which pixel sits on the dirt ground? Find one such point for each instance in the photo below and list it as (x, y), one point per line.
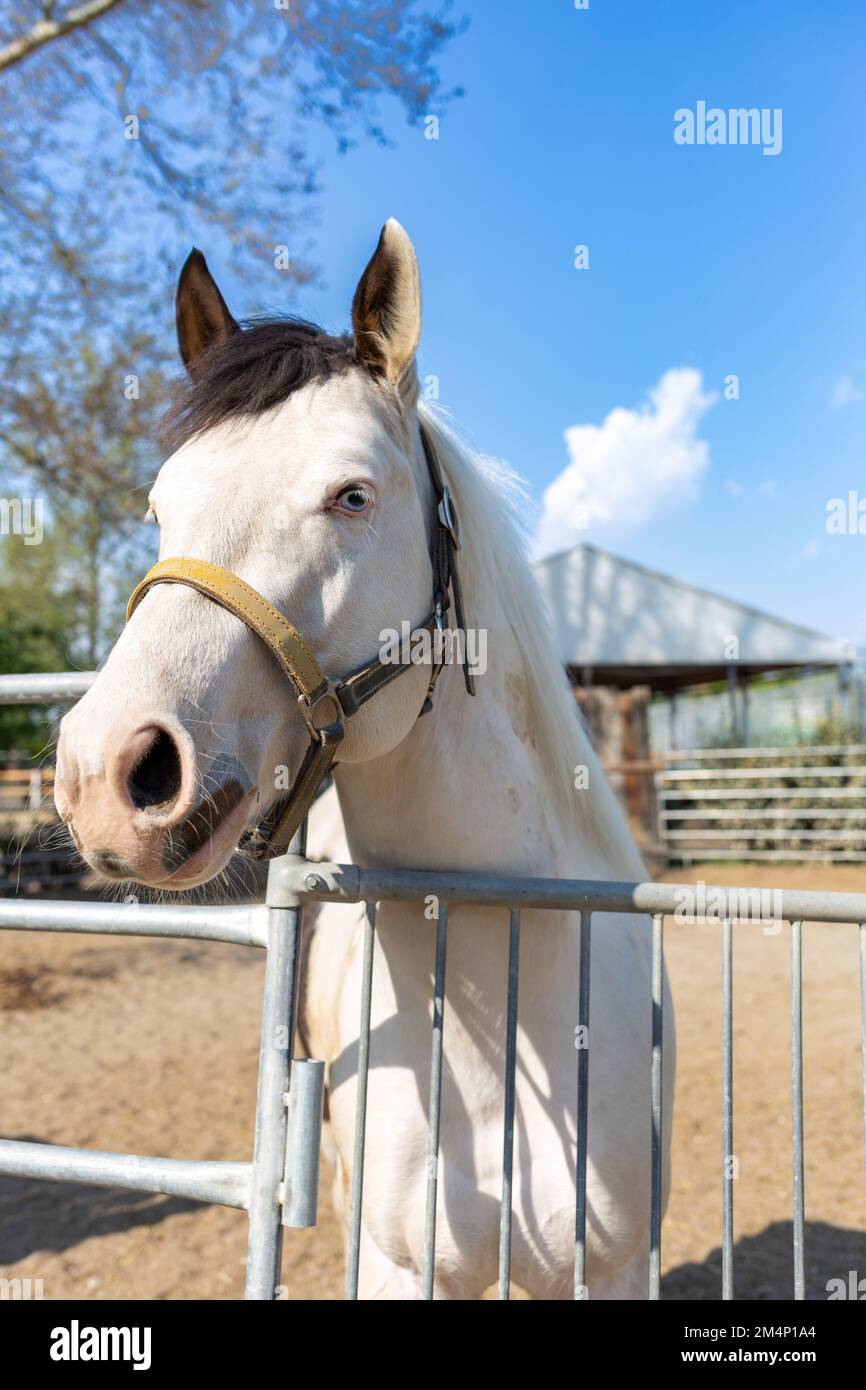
(151, 1047)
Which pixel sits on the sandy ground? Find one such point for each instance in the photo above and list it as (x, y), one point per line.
(151, 1047)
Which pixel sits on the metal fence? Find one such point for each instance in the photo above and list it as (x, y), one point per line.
(278, 1188)
(24, 788)
(764, 803)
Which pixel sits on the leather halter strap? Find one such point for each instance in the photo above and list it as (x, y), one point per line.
(324, 703)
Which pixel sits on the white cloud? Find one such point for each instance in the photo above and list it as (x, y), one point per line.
(623, 472)
(847, 390)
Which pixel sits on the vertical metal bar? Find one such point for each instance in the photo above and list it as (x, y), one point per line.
(435, 1101)
(354, 1259)
(582, 1108)
(732, 696)
(797, 1106)
(656, 1185)
(275, 1059)
(727, 1113)
(505, 1205)
(862, 934)
(303, 1143)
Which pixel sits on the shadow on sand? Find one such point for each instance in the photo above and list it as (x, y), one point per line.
(764, 1265)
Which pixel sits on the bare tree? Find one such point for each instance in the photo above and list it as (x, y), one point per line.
(125, 119)
(126, 125)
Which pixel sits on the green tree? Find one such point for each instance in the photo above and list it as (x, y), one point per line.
(38, 624)
(83, 437)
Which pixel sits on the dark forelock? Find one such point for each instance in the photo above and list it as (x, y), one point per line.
(252, 371)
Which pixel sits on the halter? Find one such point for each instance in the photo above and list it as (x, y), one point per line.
(324, 703)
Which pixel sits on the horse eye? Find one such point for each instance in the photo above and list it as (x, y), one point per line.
(354, 499)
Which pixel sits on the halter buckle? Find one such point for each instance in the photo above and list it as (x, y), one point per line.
(324, 731)
(448, 517)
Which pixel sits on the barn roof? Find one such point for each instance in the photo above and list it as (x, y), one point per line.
(632, 625)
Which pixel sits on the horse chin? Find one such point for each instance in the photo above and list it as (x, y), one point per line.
(211, 856)
(186, 857)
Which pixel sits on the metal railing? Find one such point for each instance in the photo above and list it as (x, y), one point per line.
(295, 878)
(35, 865)
(790, 807)
(25, 788)
(278, 1188)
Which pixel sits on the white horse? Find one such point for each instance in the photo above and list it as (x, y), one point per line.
(299, 466)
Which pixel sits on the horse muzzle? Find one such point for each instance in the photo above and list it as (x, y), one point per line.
(141, 813)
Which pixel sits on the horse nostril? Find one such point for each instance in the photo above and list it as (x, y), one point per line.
(155, 780)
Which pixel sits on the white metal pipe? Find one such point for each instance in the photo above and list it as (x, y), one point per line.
(303, 1142)
(242, 926)
(264, 1250)
(298, 879)
(45, 688)
(200, 1181)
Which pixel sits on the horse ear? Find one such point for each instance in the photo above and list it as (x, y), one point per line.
(203, 317)
(386, 310)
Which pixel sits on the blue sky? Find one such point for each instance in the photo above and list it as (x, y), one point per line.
(717, 259)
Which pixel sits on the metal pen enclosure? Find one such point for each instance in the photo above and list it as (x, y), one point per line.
(278, 1187)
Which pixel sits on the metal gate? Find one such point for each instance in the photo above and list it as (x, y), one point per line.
(278, 1188)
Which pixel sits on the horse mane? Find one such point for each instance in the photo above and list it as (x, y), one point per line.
(252, 371)
(491, 503)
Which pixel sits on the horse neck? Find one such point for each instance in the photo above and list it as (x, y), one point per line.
(468, 789)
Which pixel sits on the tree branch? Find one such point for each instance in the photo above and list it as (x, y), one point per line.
(47, 30)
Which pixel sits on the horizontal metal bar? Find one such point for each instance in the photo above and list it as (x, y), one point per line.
(56, 881)
(201, 1181)
(348, 883)
(804, 751)
(46, 688)
(712, 852)
(58, 854)
(241, 926)
(760, 793)
(763, 813)
(714, 774)
(768, 834)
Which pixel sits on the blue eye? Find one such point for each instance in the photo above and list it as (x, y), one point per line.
(354, 499)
